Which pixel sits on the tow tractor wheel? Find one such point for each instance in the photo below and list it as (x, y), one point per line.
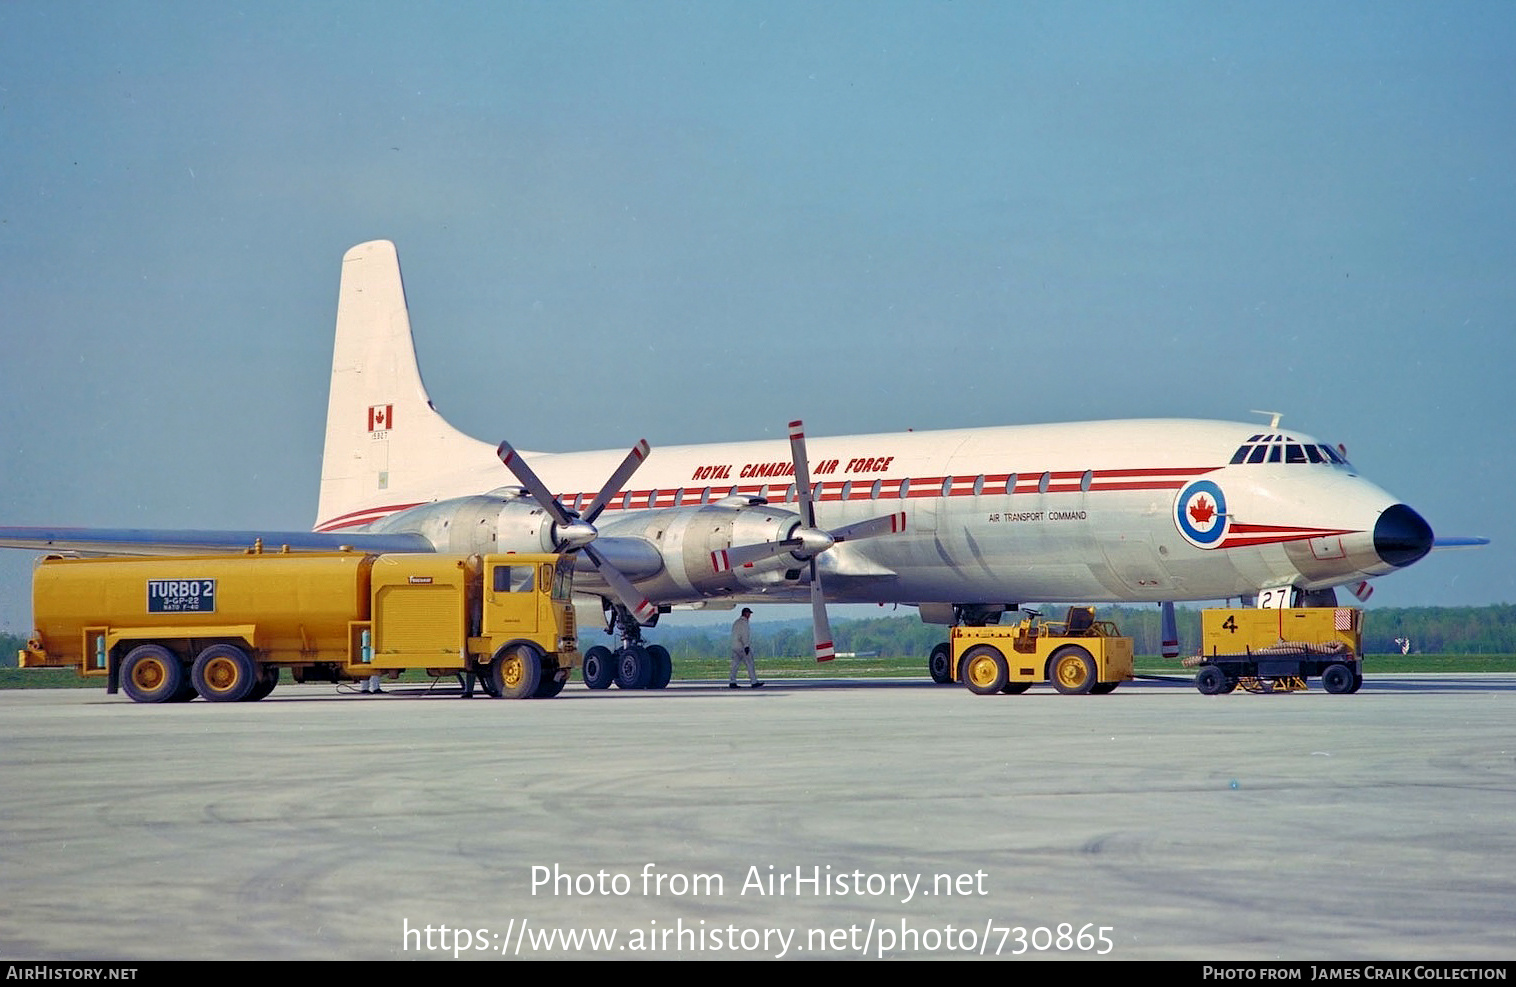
(1210, 681)
(223, 673)
(661, 666)
(1357, 682)
(1337, 679)
(1073, 671)
(984, 670)
(516, 672)
(632, 667)
(151, 674)
(599, 667)
(940, 664)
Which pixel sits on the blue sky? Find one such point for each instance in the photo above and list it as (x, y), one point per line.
(697, 221)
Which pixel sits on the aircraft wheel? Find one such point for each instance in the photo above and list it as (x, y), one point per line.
(266, 683)
(984, 670)
(1015, 688)
(516, 672)
(1073, 671)
(632, 667)
(662, 666)
(1211, 681)
(940, 664)
(599, 667)
(1337, 679)
(151, 674)
(224, 673)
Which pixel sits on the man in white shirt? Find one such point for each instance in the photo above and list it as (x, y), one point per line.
(742, 650)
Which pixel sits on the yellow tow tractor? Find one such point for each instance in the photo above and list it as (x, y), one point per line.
(1078, 655)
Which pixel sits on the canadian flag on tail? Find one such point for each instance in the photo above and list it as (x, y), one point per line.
(381, 417)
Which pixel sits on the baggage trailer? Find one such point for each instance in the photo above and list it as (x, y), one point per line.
(1269, 650)
(1079, 655)
(225, 626)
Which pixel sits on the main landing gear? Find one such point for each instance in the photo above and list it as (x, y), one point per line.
(634, 664)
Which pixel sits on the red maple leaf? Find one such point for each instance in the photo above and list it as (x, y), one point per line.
(1201, 511)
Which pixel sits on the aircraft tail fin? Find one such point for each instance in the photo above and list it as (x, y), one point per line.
(386, 445)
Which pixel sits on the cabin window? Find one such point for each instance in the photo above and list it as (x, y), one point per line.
(1086, 480)
(1043, 482)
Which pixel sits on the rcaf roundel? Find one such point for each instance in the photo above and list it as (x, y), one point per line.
(1200, 513)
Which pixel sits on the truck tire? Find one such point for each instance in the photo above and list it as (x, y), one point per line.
(1210, 681)
(632, 667)
(599, 667)
(266, 683)
(151, 674)
(551, 685)
(662, 666)
(940, 664)
(516, 672)
(1072, 671)
(1337, 679)
(223, 673)
(984, 670)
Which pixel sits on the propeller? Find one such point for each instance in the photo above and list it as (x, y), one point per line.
(807, 541)
(573, 533)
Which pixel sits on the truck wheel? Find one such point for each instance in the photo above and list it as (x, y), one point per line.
(599, 667)
(552, 684)
(632, 667)
(516, 672)
(1337, 679)
(1211, 681)
(940, 664)
(1357, 682)
(662, 666)
(151, 674)
(984, 670)
(223, 673)
(266, 683)
(1073, 671)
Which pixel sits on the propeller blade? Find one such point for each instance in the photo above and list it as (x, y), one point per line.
(618, 479)
(739, 556)
(802, 473)
(1362, 590)
(534, 485)
(1170, 631)
(821, 626)
(625, 591)
(889, 524)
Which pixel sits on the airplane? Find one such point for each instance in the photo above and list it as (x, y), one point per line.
(963, 524)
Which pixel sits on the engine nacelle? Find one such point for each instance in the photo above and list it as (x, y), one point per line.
(476, 525)
(686, 537)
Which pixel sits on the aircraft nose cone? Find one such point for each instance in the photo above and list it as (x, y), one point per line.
(1402, 536)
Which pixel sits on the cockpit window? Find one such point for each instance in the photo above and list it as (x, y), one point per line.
(1285, 449)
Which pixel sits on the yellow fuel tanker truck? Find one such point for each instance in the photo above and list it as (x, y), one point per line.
(224, 627)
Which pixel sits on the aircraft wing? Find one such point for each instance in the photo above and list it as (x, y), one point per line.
(160, 541)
